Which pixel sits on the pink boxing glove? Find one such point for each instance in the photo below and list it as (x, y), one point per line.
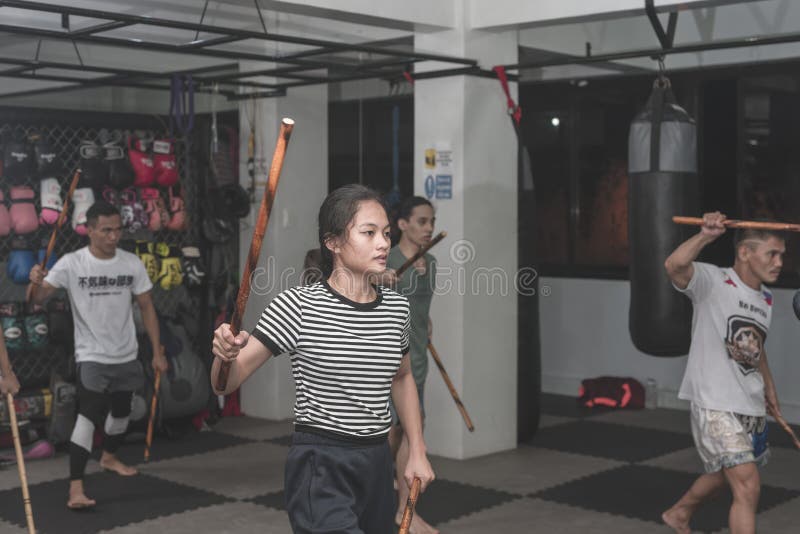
(133, 215)
(142, 163)
(177, 211)
(5, 218)
(50, 200)
(150, 200)
(82, 200)
(166, 166)
(23, 211)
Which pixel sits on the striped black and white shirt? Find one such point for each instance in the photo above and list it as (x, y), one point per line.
(344, 356)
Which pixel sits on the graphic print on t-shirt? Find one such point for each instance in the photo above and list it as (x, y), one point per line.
(745, 342)
(105, 285)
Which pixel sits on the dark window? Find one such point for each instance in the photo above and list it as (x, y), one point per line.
(577, 134)
(366, 138)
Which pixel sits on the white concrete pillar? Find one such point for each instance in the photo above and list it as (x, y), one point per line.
(475, 309)
(292, 228)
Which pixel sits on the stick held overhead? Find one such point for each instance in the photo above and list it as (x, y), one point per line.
(733, 223)
(258, 238)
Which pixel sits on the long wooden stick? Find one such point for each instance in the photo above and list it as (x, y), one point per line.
(151, 420)
(62, 217)
(421, 252)
(452, 388)
(258, 238)
(23, 477)
(733, 223)
(408, 513)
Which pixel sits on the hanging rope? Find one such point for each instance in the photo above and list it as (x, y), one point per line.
(513, 109)
(181, 107)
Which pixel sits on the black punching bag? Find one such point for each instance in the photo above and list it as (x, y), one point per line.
(662, 171)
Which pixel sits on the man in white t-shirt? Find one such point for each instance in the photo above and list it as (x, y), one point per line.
(102, 281)
(727, 379)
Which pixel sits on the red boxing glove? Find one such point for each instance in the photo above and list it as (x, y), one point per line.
(164, 162)
(142, 163)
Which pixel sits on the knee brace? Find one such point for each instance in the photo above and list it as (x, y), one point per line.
(83, 432)
(117, 420)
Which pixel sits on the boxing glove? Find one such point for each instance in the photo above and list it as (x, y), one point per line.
(120, 172)
(164, 162)
(154, 207)
(111, 196)
(141, 161)
(193, 272)
(82, 200)
(177, 211)
(21, 260)
(46, 159)
(50, 200)
(93, 168)
(36, 329)
(23, 211)
(170, 275)
(133, 215)
(16, 162)
(50, 261)
(144, 250)
(12, 325)
(60, 321)
(5, 218)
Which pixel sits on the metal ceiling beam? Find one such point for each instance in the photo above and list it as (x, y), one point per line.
(296, 66)
(220, 30)
(654, 53)
(122, 74)
(98, 28)
(290, 72)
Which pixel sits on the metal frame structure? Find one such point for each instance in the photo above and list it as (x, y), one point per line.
(292, 70)
(666, 39)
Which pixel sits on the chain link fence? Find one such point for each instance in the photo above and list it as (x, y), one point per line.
(65, 131)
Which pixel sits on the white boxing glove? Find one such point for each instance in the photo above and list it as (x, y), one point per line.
(82, 200)
(50, 200)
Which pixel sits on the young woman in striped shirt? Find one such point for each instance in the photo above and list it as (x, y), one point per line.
(348, 341)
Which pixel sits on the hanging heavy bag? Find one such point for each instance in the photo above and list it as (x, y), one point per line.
(662, 170)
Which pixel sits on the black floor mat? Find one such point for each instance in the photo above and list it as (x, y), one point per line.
(607, 440)
(120, 501)
(644, 492)
(271, 500)
(286, 440)
(442, 502)
(446, 500)
(165, 449)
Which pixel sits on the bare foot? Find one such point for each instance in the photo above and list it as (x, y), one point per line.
(112, 463)
(677, 519)
(77, 498)
(418, 525)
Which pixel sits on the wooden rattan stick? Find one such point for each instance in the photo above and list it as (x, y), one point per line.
(408, 513)
(23, 477)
